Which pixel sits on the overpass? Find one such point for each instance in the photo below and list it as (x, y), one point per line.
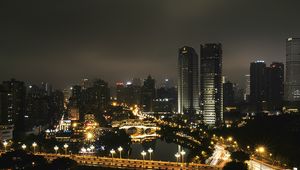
(129, 163)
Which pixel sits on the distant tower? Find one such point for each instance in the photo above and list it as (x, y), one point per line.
(292, 86)
(211, 93)
(247, 86)
(257, 84)
(188, 83)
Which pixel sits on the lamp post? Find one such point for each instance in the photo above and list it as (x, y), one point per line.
(34, 145)
(92, 148)
(66, 148)
(143, 153)
(83, 150)
(5, 145)
(182, 155)
(112, 152)
(120, 149)
(177, 155)
(56, 149)
(260, 150)
(150, 150)
(23, 146)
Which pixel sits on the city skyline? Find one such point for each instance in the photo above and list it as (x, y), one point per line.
(42, 47)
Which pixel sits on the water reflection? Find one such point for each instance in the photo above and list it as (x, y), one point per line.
(163, 150)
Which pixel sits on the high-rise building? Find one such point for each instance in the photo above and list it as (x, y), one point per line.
(247, 88)
(292, 85)
(257, 84)
(148, 94)
(228, 96)
(274, 85)
(211, 92)
(16, 94)
(188, 82)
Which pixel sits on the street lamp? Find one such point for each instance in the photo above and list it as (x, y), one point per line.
(143, 153)
(34, 144)
(5, 145)
(83, 150)
(120, 149)
(177, 155)
(112, 152)
(23, 146)
(66, 148)
(92, 148)
(56, 148)
(182, 155)
(150, 150)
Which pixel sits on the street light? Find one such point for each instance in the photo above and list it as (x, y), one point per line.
(177, 155)
(23, 146)
(143, 153)
(66, 148)
(120, 149)
(83, 150)
(182, 155)
(56, 148)
(150, 150)
(92, 148)
(5, 145)
(34, 144)
(112, 153)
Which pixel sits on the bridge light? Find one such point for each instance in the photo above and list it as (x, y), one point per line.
(150, 150)
(56, 148)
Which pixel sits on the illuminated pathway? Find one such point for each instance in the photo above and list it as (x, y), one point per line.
(255, 164)
(129, 163)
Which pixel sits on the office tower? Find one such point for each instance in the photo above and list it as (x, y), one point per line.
(257, 84)
(37, 106)
(292, 86)
(211, 92)
(101, 94)
(85, 83)
(3, 105)
(247, 88)
(274, 85)
(188, 82)
(56, 105)
(120, 90)
(228, 95)
(148, 94)
(76, 96)
(16, 94)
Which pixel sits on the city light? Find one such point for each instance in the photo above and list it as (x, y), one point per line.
(5, 145)
(24, 146)
(34, 145)
(143, 153)
(66, 148)
(112, 152)
(150, 150)
(120, 149)
(56, 148)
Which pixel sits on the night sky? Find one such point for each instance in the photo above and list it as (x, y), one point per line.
(63, 41)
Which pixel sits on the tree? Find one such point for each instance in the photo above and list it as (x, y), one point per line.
(240, 156)
(63, 163)
(235, 166)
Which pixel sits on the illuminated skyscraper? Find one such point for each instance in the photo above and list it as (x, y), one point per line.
(211, 92)
(292, 86)
(188, 83)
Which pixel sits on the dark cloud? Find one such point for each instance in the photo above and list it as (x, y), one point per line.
(63, 41)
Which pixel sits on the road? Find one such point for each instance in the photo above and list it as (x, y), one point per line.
(129, 163)
(255, 164)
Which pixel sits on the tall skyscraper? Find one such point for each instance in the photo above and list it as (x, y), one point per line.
(228, 96)
(257, 84)
(247, 88)
(148, 94)
(188, 82)
(274, 85)
(292, 86)
(211, 92)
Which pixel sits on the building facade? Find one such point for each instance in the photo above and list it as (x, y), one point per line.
(188, 82)
(292, 85)
(211, 92)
